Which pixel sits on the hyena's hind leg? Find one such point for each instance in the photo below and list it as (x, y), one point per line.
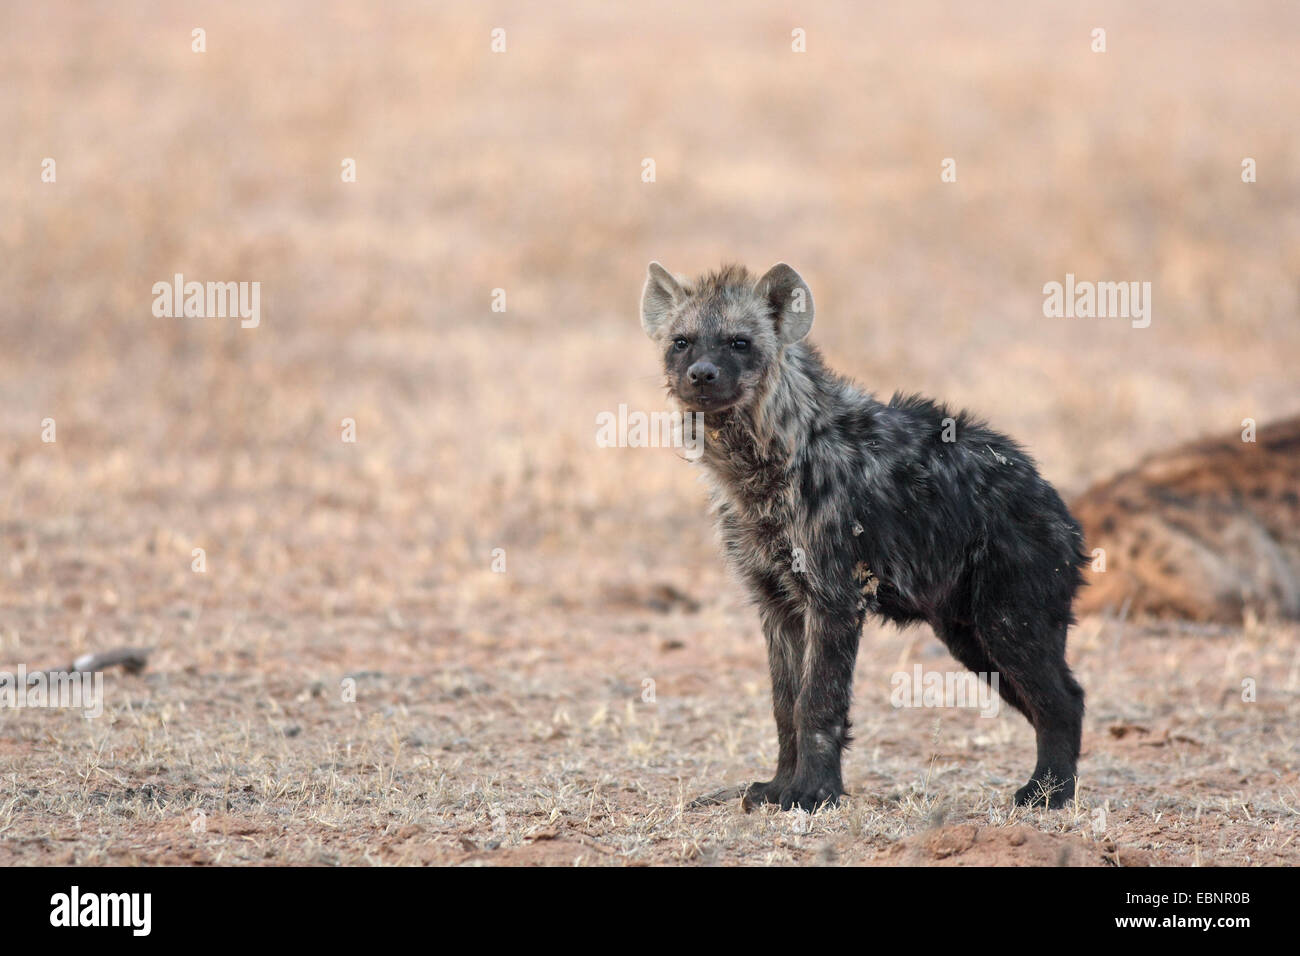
(964, 644)
(1030, 659)
(1034, 678)
(783, 629)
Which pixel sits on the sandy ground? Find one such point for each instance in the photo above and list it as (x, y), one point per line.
(502, 717)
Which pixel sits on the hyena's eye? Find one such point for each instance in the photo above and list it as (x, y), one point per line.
(680, 343)
(740, 345)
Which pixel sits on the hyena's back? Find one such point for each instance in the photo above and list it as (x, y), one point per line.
(1203, 531)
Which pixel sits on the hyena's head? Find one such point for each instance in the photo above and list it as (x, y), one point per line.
(722, 336)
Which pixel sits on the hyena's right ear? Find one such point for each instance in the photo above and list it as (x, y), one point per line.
(660, 294)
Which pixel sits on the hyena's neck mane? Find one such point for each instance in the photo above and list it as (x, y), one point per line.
(750, 450)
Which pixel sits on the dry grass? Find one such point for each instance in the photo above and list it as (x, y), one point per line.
(499, 716)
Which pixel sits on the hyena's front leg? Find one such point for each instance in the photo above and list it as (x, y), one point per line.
(783, 627)
(821, 711)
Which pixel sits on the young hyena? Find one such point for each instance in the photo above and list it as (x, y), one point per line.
(832, 505)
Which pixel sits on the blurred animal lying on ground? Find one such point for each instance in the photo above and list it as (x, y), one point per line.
(1207, 531)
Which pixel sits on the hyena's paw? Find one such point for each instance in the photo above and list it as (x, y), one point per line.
(1049, 791)
(811, 795)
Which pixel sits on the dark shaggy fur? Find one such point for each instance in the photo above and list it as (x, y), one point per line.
(832, 505)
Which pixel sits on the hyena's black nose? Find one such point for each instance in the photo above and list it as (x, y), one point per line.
(702, 373)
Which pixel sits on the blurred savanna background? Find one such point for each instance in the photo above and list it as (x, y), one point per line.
(505, 716)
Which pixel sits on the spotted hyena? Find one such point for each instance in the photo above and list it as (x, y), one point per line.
(1205, 531)
(832, 505)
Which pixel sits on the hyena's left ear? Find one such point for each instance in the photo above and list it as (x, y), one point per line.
(660, 294)
(791, 301)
